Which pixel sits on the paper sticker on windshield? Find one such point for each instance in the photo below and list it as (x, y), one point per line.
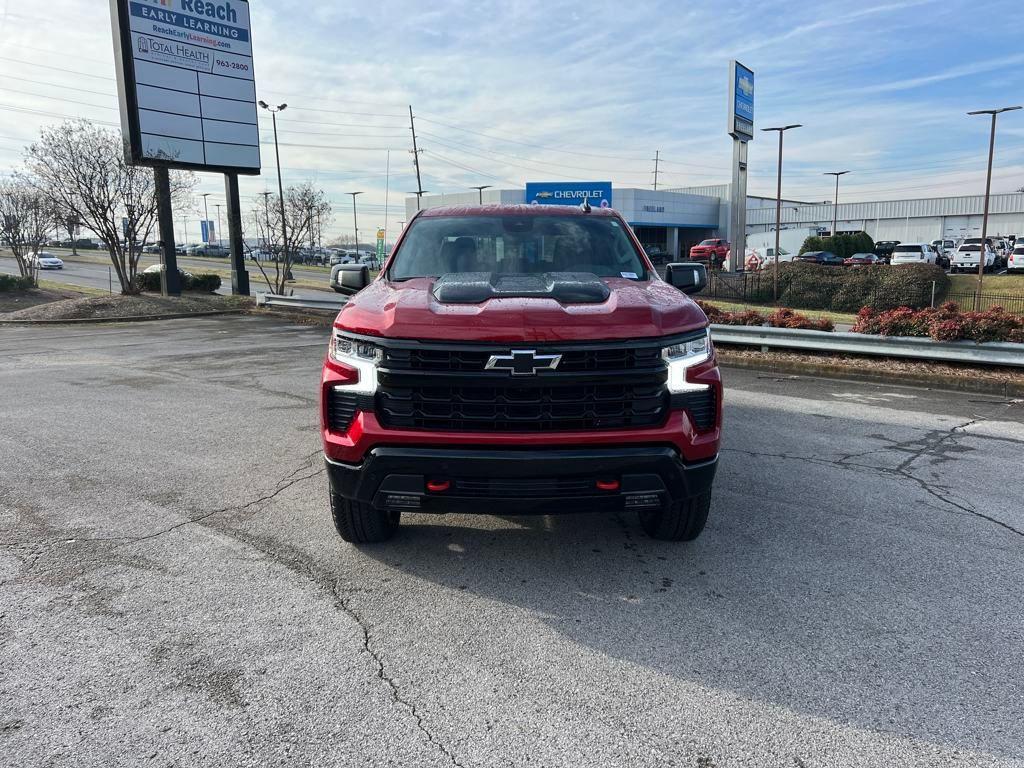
(629, 275)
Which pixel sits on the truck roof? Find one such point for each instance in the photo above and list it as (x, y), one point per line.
(510, 209)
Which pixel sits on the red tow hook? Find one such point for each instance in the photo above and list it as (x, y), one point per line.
(438, 486)
(608, 485)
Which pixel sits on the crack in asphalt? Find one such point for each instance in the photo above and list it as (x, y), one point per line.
(384, 677)
(930, 444)
(332, 587)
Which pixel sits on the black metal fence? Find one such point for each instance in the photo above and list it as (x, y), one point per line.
(837, 293)
(966, 299)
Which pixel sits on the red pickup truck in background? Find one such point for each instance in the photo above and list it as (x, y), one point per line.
(713, 250)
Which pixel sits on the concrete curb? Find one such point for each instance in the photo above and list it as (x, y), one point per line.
(129, 319)
(1008, 389)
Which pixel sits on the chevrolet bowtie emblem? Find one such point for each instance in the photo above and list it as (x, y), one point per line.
(523, 362)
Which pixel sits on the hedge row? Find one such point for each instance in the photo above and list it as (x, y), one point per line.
(811, 286)
(840, 245)
(204, 282)
(15, 283)
(946, 323)
(780, 318)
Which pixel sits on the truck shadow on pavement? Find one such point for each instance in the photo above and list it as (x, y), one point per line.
(821, 605)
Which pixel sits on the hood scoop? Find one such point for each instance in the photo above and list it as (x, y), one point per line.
(563, 287)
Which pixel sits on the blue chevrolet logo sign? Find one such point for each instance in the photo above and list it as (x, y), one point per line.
(597, 193)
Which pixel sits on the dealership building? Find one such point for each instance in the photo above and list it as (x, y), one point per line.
(675, 219)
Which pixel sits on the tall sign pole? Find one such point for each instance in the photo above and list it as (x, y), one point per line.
(170, 282)
(239, 277)
(741, 128)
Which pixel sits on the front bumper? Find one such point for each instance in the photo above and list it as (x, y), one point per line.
(533, 481)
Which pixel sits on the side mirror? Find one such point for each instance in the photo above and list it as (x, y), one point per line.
(688, 278)
(351, 278)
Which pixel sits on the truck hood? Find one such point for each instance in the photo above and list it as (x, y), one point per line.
(409, 310)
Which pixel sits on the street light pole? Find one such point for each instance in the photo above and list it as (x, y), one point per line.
(217, 206)
(480, 192)
(355, 221)
(835, 204)
(280, 185)
(206, 216)
(778, 207)
(988, 190)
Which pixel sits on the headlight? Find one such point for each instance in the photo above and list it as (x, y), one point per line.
(361, 355)
(683, 356)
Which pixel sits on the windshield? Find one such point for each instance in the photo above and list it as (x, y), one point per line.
(517, 244)
(908, 249)
(709, 242)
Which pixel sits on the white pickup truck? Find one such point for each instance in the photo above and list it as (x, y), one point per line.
(967, 255)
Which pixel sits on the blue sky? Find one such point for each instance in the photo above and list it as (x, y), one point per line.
(520, 90)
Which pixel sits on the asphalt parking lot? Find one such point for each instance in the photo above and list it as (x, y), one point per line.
(172, 592)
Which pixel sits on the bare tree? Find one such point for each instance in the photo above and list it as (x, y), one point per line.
(306, 209)
(25, 221)
(80, 168)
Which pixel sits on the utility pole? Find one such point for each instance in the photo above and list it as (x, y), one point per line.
(387, 191)
(266, 219)
(778, 208)
(355, 221)
(988, 190)
(835, 204)
(415, 153)
(657, 158)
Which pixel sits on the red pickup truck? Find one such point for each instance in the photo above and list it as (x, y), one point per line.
(713, 250)
(516, 360)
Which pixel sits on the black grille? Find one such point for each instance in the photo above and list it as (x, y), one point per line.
(702, 406)
(434, 387)
(342, 407)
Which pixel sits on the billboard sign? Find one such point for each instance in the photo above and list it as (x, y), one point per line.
(380, 245)
(597, 193)
(741, 102)
(208, 231)
(185, 84)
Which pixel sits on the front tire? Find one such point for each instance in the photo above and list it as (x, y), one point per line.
(679, 521)
(360, 523)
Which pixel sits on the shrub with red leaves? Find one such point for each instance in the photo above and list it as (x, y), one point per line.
(780, 318)
(946, 323)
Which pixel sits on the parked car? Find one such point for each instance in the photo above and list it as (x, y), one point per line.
(657, 254)
(152, 248)
(209, 250)
(825, 258)
(155, 269)
(968, 255)
(912, 253)
(884, 249)
(862, 260)
(714, 251)
(1015, 261)
(45, 260)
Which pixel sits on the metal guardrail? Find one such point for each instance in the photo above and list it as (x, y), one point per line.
(991, 353)
(329, 303)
